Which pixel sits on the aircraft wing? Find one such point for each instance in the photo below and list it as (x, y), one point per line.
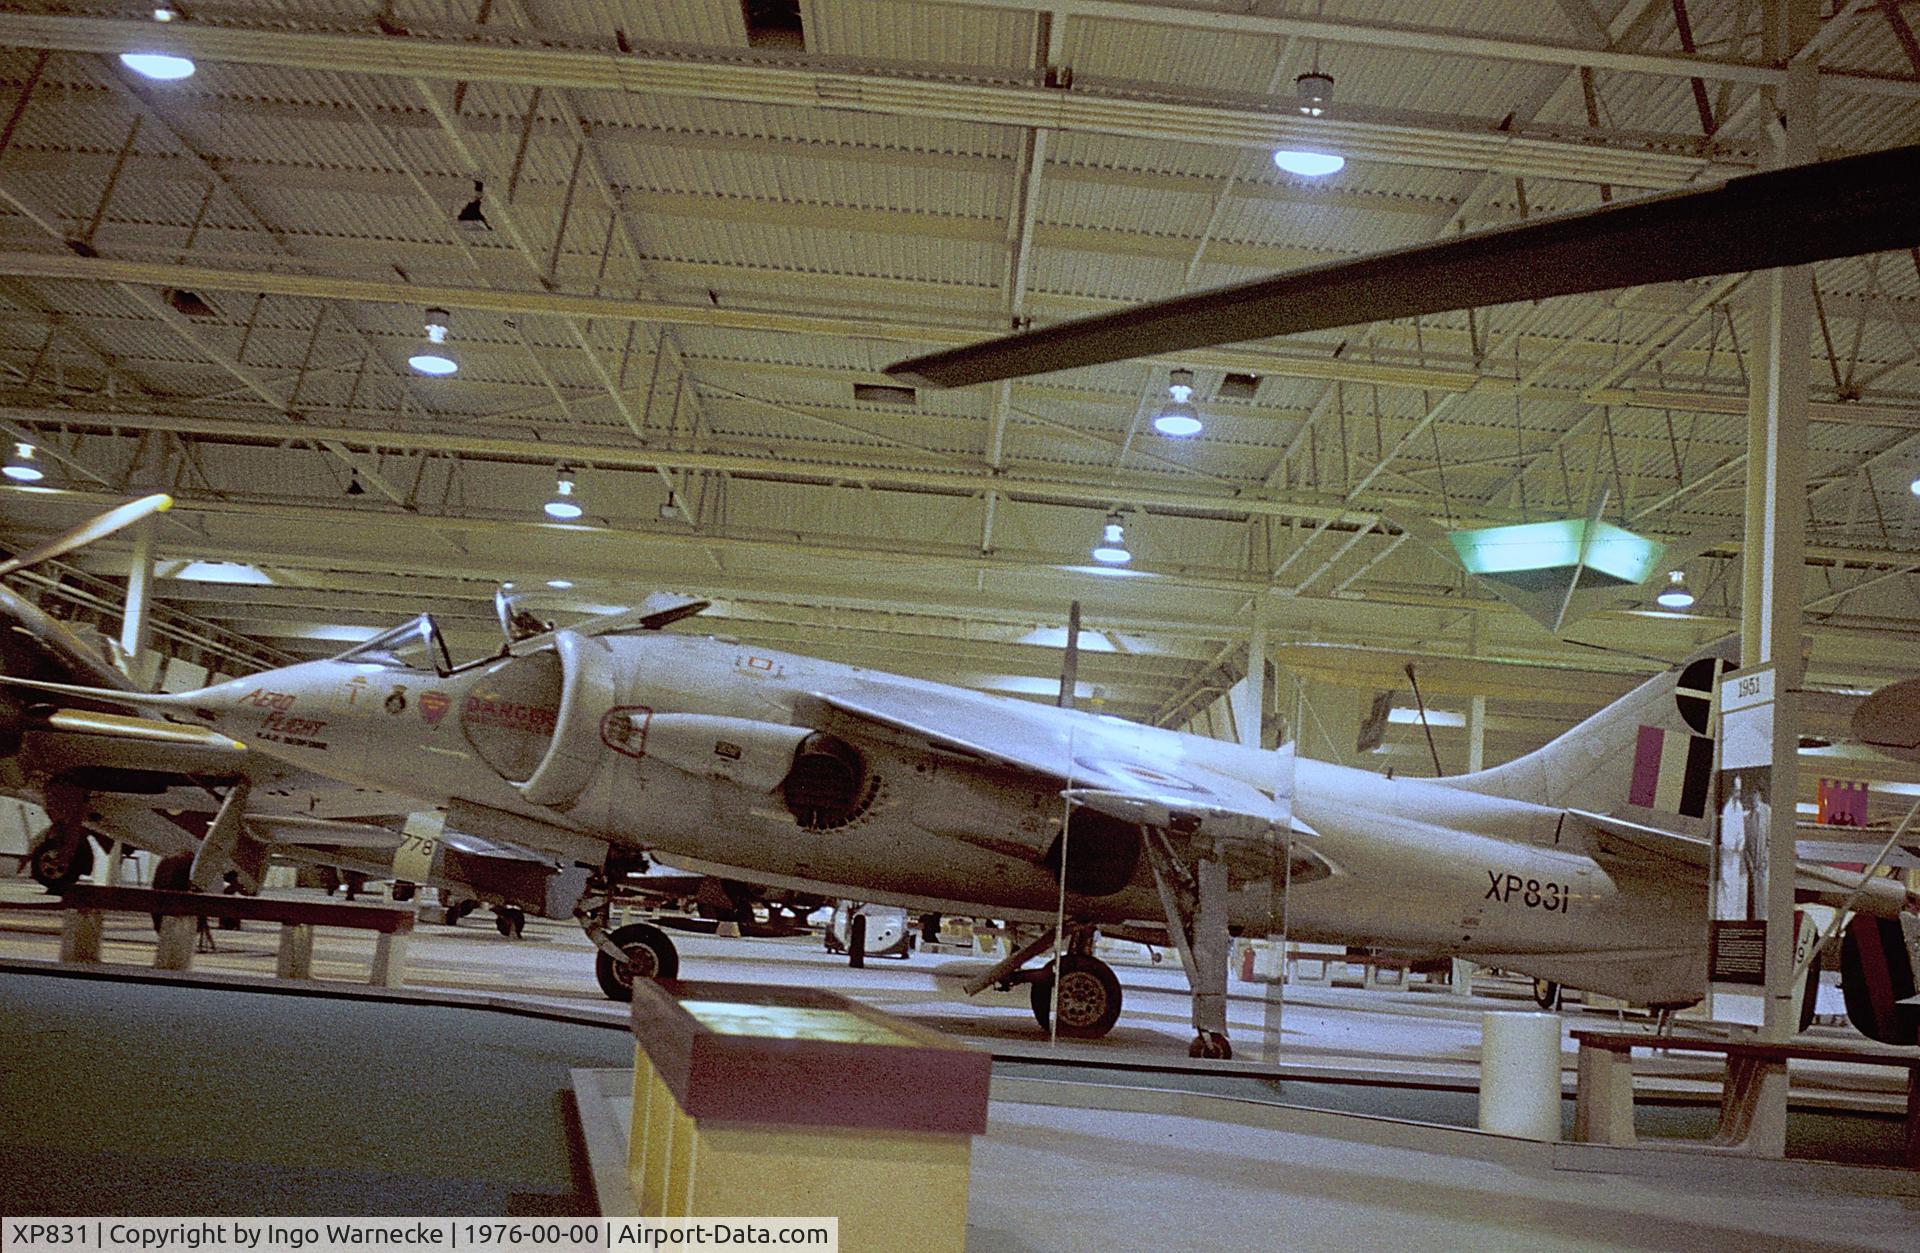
(70, 739)
(321, 832)
(1093, 765)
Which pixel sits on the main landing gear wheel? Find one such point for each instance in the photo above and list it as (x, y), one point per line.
(459, 910)
(1089, 997)
(1546, 994)
(650, 955)
(60, 860)
(510, 921)
(1212, 1046)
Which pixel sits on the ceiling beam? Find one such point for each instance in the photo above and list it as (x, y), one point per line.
(493, 55)
(1446, 41)
(69, 266)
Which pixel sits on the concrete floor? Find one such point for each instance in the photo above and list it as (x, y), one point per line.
(1423, 1034)
(1106, 1167)
(1051, 1178)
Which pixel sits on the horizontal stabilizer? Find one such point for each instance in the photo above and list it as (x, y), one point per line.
(1649, 847)
(1649, 850)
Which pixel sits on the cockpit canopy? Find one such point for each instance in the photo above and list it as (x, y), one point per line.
(415, 645)
(418, 645)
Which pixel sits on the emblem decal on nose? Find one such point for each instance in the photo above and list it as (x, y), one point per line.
(396, 701)
(434, 706)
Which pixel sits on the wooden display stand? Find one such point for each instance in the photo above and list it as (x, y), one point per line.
(177, 912)
(790, 1102)
(1603, 1109)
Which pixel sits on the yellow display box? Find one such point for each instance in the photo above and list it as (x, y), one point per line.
(792, 1102)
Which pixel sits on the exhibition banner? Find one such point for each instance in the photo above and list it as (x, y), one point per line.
(413, 1235)
(1738, 905)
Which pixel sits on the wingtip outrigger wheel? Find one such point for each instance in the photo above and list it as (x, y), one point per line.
(1193, 891)
(60, 859)
(1212, 1045)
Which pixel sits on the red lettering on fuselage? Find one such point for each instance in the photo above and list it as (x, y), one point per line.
(481, 711)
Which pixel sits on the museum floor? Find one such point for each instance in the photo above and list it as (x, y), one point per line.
(143, 1096)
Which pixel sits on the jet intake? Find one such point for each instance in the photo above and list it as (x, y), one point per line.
(535, 718)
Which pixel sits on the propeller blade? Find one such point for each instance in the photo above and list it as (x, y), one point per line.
(87, 532)
(1815, 212)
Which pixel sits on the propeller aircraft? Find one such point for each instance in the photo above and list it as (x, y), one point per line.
(161, 786)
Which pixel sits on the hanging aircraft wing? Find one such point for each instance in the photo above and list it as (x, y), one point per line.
(1840, 208)
(1100, 766)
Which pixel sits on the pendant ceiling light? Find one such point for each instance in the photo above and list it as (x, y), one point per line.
(21, 467)
(565, 505)
(165, 66)
(1676, 594)
(432, 359)
(1178, 417)
(1112, 546)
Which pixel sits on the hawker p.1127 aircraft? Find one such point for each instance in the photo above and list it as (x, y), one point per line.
(1584, 863)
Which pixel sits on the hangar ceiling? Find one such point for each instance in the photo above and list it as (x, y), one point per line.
(706, 236)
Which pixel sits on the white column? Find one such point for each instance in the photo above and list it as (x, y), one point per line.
(1248, 697)
(1476, 734)
(1774, 557)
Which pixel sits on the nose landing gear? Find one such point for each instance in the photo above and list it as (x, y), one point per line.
(638, 950)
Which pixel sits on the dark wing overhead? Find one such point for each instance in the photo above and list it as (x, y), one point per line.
(1841, 208)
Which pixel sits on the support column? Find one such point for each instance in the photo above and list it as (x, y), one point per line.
(1774, 557)
(134, 621)
(1476, 735)
(1248, 697)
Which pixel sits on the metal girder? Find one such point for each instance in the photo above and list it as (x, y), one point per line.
(613, 309)
(109, 35)
(950, 482)
(1099, 491)
(1841, 412)
(1445, 41)
(546, 63)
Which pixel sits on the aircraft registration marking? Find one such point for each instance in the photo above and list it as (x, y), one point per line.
(1511, 889)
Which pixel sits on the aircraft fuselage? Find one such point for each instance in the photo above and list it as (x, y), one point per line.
(686, 747)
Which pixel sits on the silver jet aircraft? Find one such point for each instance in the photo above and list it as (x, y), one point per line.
(1583, 863)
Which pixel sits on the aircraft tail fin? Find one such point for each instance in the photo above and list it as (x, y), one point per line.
(1647, 758)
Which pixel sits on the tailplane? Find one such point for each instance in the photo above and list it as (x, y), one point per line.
(1647, 758)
